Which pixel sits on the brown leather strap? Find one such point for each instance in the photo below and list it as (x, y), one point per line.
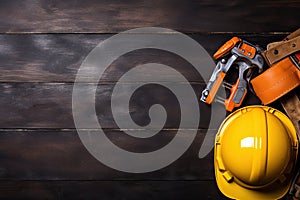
(284, 72)
(279, 50)
(294, 193)
(293, 34)
(291, 105)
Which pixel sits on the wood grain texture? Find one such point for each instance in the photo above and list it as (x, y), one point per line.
(60, 155)
(114, 190)
(49, 105)
(57, 57)
(114, 16)
(34, 105)
(42, 45)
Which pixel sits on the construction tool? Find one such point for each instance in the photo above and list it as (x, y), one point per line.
(235, 52)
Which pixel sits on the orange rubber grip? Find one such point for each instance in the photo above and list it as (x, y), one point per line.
(215, 88)
(229, 103)
(226, 47)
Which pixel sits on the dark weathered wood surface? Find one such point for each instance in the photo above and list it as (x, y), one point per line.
(113, 16)
(57, 57)
(49, 105)
(131, 190)
(60, 155)
(42, 45)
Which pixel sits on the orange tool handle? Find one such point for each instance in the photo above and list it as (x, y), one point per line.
(235, 92)
(226, 47)
(298, 56)
(215, 88)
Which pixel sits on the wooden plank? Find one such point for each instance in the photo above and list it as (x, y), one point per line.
(38, 69)
(109, 17)
(60, 155)
(109, 190)
(49, 105)
(57, 57)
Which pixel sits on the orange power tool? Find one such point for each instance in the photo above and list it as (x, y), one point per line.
(234, 52)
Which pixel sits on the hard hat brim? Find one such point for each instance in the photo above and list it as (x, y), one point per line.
(233, 188)
(236, 191)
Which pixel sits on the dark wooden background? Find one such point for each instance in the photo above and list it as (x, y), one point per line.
(43, 43)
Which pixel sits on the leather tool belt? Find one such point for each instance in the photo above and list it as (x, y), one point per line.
(282, 77)
(284, 73)
(279, 80)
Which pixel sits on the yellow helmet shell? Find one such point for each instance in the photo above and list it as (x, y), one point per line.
(255, 152)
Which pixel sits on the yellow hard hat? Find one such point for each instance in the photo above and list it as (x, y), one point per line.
(255, 152)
